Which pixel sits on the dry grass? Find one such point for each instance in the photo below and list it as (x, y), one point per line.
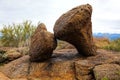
(101, 42)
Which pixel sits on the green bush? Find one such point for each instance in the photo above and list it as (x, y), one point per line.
(17, 34)
(114, 45)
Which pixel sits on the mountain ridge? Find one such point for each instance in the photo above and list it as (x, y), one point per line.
(110, 36)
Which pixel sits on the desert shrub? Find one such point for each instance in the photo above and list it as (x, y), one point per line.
(114, 45)
(17, 34)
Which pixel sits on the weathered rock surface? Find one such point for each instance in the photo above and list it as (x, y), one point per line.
(17, 68)
(13, 54)
(42, 44)
(23, 50)
(8, 54)
(107, 71)
(3, 77)
(65, 64)
(75, 27)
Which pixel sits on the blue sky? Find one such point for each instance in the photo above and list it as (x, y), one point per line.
(105, 17)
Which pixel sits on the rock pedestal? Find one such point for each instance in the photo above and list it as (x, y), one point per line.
(75, 27)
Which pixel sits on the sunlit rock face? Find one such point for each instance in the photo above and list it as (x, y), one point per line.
(75, 27)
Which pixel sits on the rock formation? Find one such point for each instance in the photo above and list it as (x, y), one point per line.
(66, 65)
(75, 27)
(42, 44)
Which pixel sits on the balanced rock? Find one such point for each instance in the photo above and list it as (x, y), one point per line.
(42, 44)
(75, 27)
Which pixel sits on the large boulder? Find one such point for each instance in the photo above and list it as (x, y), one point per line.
(42, 44)
(75, 27)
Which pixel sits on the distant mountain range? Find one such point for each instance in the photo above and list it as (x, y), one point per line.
(110, 36)
(107, 35)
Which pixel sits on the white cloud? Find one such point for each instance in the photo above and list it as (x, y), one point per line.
(105, 16)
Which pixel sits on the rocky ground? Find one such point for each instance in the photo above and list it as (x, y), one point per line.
(65, 64)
